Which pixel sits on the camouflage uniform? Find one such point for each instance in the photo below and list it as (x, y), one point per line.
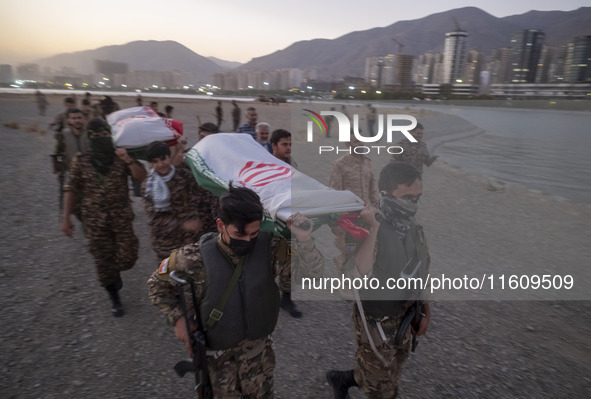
(59, 122)
(379, 380)
(353, 173)
(187, 201)
(246, 369)
(67, 146)
(107, 216)
(415, 154)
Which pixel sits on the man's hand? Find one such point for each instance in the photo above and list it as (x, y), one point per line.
(181, 144)
(368, 215)
(180, 330)
(301, 227)
(122, 153)
(179, 151)
(194, 225)
(67, 227)
(424, 323)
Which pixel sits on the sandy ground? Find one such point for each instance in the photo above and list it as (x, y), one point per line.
(58, 339)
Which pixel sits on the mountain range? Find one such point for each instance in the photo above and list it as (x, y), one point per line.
(143, 55)
(345, 55)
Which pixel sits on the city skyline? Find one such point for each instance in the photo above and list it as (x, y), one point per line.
(35, 29)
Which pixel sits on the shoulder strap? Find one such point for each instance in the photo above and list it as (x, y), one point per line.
(218, 311)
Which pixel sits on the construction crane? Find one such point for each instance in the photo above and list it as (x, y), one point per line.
(400, 45)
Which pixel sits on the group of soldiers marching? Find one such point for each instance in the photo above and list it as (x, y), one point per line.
(217, 269)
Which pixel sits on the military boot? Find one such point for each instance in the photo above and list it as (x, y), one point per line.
(288, 305)
(117, 307)
(340, 382)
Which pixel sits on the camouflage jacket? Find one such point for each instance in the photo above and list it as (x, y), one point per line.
(101, 197)
(187, 201)
(415, 154)
(354, 173)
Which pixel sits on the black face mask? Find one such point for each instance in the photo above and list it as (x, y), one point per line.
(102, 153)
(102, 145)
(241, 247)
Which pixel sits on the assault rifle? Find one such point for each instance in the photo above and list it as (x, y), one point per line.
(412, 317)
(198, 365)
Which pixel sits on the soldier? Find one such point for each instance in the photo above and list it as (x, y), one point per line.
(352, 172)
(219, 114)
(281, 147)
(395, 247)
(416, 154)
(41, 102)
(235, 115)
(60, 121)
(69, 141)
(99, 179)
(242, 357)
(251, 122)
(179, 211)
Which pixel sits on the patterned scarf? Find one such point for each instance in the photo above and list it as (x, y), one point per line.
(157, 191)
(400, 213)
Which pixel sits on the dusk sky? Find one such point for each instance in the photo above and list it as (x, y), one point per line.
(232, 30)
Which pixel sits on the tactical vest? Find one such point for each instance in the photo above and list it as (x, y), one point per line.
(397, 257)
(253, 307)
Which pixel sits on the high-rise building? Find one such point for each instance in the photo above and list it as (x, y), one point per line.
(526, 48)
(579, 67)
(454, 55)
(558, 70)
(28, 72)
(424, 68)
(389, 70)
(499, 66)
(474, 65)
(545, 64)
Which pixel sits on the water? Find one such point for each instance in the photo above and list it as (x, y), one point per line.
(543, 150)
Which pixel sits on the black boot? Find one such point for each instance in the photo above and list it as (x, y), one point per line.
(340, 382)
(287, 304)
(117, 308)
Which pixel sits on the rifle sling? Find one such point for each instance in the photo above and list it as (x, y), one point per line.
(217, 312)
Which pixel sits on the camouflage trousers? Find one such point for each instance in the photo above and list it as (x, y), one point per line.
(244, 371)
(379, 380)
(113, 245)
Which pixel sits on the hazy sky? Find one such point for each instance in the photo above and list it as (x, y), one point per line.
(233, 30)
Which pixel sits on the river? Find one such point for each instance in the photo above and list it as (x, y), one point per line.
(546, 151)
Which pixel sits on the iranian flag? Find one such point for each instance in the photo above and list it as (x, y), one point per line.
(220, 158)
